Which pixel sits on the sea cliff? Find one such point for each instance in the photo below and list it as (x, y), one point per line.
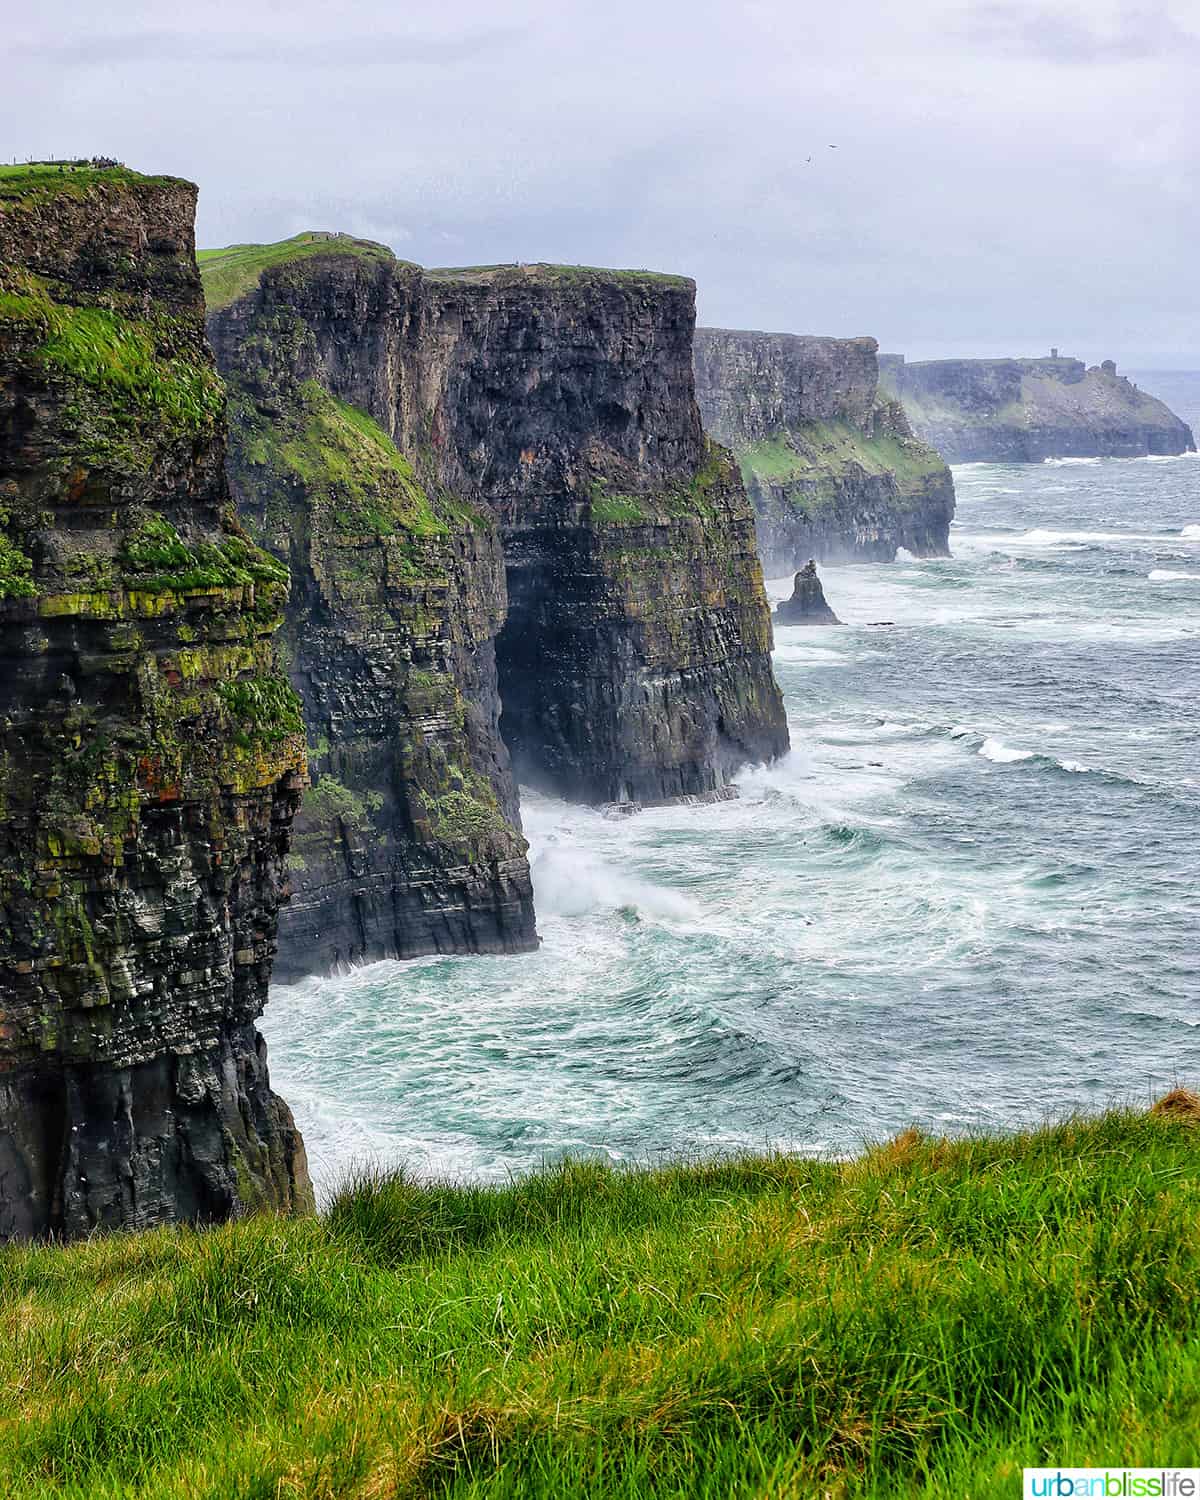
(409, 841)
(562, 540)
(1027, 410)
(151, 754)
(829, 461)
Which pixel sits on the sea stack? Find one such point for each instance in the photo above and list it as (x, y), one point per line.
(151, 751)
(807, 605)
(508, 535)
(829, 460)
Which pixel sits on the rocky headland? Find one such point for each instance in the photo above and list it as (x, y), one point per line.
(1027, 410)
(828, 459)
(151, 751)
(492, 487)
(807, 605)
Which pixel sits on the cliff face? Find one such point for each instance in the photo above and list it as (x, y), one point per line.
(151, 758)
(634, 663)
(409, 841)
(1026, 410)
(559, 403)
(830, 463)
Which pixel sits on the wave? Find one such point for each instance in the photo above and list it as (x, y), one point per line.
(1044, 537)
(996, 750)
(570, 884)
(1165, 575)
(1056, 463)
(1192, 533)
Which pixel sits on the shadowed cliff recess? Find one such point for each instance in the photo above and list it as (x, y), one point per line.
(829, 460)
(151, 755)
(492, 487)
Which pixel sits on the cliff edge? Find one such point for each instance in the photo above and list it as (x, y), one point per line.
(409, 842)
(151, 755)
(507, 533)
(1027, 410)
(829, 461)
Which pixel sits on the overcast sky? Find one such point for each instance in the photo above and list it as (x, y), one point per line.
(952, 176)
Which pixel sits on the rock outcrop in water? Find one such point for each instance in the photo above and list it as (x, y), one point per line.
(528, 469)
(151, 756)
(830, 462)
(808, 605)
(1027, 410)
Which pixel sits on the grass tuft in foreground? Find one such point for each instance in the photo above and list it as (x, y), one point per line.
(923, 1320)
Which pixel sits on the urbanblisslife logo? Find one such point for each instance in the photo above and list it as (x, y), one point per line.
(1112, 1484)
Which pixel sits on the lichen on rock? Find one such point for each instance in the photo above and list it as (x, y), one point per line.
(151, 754)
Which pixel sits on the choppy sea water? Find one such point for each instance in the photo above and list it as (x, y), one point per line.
(968, 897)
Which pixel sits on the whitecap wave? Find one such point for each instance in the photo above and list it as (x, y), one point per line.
(567, 883)
(1063, 462)
(1165, 575)
(996, 750)
(1192, 533)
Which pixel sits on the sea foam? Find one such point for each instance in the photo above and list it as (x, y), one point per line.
(996, 750)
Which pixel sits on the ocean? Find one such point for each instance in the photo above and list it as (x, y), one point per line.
(968, 898)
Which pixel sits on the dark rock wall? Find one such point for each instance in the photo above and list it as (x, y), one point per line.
(1027, 410)
(151, 758)
(634, 661)
(830, 463)
(409, 842)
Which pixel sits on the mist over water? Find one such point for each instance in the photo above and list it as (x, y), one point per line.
(967, 897)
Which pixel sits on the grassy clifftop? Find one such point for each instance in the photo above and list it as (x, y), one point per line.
(921, 1321)
(233, 271)
(817, 460)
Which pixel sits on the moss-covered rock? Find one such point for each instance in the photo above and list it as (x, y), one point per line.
(829, 461)
(151, 750)
(408, 841)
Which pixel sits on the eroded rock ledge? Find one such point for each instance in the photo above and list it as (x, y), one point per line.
(1027, 410)
(151, 755)
(829, 461)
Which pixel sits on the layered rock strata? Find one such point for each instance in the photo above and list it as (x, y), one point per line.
(151, 754)
(829, 461)
(550, 408)
(1027, 410)
(409, 842)
(807, 605)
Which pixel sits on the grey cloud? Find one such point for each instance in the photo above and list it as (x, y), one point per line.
(1139, 30)
(1024, 180)
(269, 50)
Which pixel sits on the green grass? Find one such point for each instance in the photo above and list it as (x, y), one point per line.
(348, 465)
(920, 1322)
(139, 369)
(817, 458)
(230, 273)
(16, 569)
(40, 179)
